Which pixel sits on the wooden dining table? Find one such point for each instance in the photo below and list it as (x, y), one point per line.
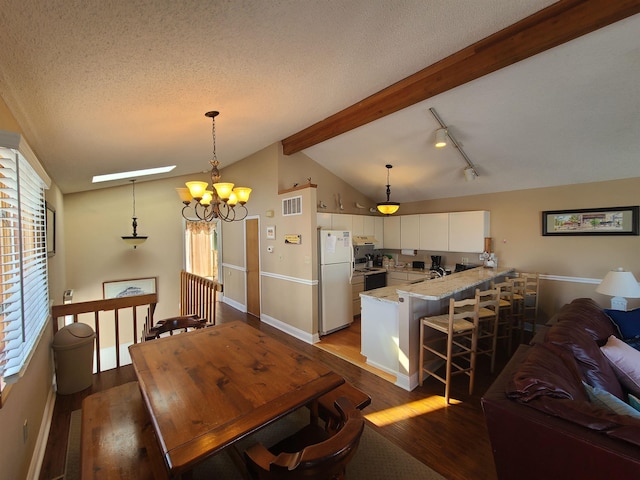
(208, 388)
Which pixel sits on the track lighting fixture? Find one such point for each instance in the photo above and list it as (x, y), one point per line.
(470, 173)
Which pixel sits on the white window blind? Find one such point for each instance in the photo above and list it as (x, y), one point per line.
(23, 281)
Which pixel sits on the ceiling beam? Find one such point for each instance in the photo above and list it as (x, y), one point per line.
(548, 28)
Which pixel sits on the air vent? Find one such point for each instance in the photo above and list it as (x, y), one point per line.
(292, 206)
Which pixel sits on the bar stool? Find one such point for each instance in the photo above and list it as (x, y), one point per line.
(531, 296)
(517, 305)
(505, 321)
(488, 320)
(460, 326)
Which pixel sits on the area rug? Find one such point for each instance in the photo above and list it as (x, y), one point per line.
(376, 458)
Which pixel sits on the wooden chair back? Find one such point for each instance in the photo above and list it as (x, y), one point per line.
(326, 459)
(170, 325)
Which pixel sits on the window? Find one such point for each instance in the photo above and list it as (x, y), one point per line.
(201, 249)
(23, 250)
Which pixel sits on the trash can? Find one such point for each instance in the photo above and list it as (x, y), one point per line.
(73, 351)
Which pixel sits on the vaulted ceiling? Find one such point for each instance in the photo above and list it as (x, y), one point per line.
(111, 86)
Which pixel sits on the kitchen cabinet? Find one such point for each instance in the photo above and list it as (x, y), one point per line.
(357, 287)
(368, 225)
(467, 231)
(410, 231)
(324, 220)
(434, 232)
(397, 278)
(378, 231)
(392, 232)
(357, 222)
(342, 222)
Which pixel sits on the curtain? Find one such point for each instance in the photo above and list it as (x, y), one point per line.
(201, 249)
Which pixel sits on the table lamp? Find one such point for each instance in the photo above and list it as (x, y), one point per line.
(619, 284)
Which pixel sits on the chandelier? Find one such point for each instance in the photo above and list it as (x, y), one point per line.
(388, 208)
(223, 201)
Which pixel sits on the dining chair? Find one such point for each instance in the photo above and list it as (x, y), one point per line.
(311, 453)
(325, 407)
(170, 325)
(460, 326)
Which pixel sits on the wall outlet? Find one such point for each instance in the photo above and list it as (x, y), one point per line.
(465, 260)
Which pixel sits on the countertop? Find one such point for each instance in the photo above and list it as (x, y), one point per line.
(438, 288)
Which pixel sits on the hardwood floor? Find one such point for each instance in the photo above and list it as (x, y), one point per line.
(453, 440)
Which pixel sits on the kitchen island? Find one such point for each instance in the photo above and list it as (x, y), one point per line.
(390, 318)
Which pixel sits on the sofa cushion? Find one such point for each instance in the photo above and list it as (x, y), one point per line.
(590, 317)
(594, 367)
(628, 323)
(625, 361)
(547, 370)
(604, 399)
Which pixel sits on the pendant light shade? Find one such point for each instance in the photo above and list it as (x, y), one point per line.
(134, 239)
(388, 207)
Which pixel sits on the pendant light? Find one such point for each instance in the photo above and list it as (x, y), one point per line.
(223, 198)
(388, 208)
(134, 239)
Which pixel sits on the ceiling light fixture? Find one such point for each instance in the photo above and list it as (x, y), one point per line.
(219, 202)
(444, 127)
(388, 208)
(134, 239)
(470, 174)
(441, 138)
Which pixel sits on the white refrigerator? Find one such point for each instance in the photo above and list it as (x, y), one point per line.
(336, 268)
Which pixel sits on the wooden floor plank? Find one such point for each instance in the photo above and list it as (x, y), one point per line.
(452, 440)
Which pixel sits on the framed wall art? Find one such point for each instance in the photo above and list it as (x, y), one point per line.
(591, 221)
(129, 288)
(271, 232)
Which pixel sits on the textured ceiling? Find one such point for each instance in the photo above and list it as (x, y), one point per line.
(107, 86)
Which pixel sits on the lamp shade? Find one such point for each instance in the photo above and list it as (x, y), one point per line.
(388, 208)
(619, 283)
(224, 190)
(197, 189)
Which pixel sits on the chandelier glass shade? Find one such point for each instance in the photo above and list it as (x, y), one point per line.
(388, 207)
(224, 200)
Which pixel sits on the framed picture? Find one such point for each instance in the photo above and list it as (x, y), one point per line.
(50, 229)
(271, 232)
(591, 221)
(128, 288)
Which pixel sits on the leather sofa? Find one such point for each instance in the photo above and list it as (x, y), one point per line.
(541, 421)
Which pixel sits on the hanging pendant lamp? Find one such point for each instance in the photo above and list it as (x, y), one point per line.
(134, 239)
(388, 208)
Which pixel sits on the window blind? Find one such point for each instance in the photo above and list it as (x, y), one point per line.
(23, 251)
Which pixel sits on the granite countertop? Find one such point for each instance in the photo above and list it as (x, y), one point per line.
(438, 288)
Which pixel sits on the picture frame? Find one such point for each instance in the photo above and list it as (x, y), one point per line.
(50, 229)
(129, 287)
(271, 232)
(591, 221)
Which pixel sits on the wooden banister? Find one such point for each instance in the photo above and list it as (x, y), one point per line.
(114, 305)
(198, 295)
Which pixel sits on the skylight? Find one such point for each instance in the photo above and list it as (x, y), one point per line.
(132, 174)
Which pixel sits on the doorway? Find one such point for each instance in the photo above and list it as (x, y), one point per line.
(252, 253)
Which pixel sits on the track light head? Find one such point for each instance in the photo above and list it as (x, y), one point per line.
(441, 138)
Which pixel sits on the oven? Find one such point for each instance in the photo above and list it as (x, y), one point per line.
(375, 280)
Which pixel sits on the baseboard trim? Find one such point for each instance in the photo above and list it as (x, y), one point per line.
(43, 436)
(293, 331)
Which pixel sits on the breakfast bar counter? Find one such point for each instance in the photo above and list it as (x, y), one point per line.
(390, 318)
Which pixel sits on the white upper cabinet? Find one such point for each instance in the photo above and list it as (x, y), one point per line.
(342, 222)
(368, 225)
(410, 231)
(324, 221)
(391, 237)
(358, 224)
(378, 231)
(467, 231)
(434, 231)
